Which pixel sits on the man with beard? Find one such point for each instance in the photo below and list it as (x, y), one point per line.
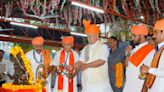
(141, 54)
(155, 77)
(39, 56)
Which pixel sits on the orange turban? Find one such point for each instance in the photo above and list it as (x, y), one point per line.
(139, 30)
(39, 40)
(68, 39)
(159, 25)
(90, 28)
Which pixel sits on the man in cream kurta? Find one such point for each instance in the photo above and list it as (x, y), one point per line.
(157, 85)
(133, 83)
(35, 57)
(93, 62)
(67, 43)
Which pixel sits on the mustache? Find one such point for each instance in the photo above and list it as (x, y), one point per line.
(153, 38)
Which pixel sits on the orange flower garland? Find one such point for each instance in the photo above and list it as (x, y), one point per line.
(119, 77)
(10, 86)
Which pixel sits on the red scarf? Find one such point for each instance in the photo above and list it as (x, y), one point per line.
(60, 77)
(140, 54)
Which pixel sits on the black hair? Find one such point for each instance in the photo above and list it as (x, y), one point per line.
(114, 38)
(2, 51)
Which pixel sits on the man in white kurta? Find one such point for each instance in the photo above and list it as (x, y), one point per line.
(67, 43)
(158, 72)
(133, 83)
(35, 57)
(93, 62)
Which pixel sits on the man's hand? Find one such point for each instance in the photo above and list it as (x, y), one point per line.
(83, 66)
(126, 61)
(144, 69)
(72, 73)
(54, 69)
(70, 67)
(113, 67)
(44, 75)
(77, 65)
(128, 50)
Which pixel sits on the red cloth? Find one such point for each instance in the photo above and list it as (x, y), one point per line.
(139, 55)
(60, 77)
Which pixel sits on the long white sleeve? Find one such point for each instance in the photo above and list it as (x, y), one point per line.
(159, 72)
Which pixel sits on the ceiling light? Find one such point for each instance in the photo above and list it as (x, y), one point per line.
(7, 29)
(141, 17)
(24, 25)
(53, 51)
(78, 34)
(76, 3)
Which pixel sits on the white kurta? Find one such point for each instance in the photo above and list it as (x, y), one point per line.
(96, 79)
(159, 73)
(34, 65)
(133, 83)
(56, 62)
(9, 69)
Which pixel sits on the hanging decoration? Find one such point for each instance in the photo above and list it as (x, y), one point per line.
(115, 7)
(152, 4)
(62, 5)
(61, 14)
(156, 4)
(125, 7)
(8, 8)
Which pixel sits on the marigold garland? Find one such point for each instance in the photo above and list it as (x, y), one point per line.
(119, 77)
(18, 87)
(15, 51)
(38, 84)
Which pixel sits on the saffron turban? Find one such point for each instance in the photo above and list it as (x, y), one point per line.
(90, 28)
(159, 25)
(139, 30)
(39, 40)
(68, 39)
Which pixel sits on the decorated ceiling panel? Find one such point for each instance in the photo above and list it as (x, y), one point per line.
(63, 17)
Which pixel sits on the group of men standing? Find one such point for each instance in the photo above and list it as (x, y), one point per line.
(144, 59)
(97, 62)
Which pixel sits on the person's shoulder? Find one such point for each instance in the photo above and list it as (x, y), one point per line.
(59, 51)
(75, 52)
(87, 45)
(104, 45)
(29, 52)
